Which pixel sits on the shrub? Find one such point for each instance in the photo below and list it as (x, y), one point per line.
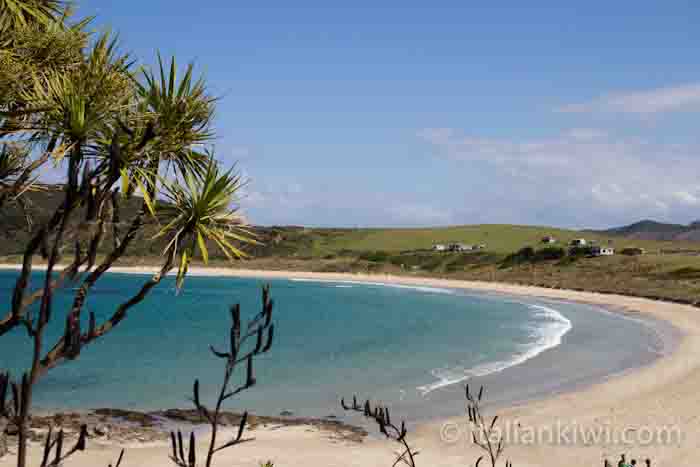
(580, 251)
(116, 130)
(523, 255)
(527, 253)
(237, 354)
(374, 256)
(684, 273)
(550, 253)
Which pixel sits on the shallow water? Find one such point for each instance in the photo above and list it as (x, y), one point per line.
(407, 346)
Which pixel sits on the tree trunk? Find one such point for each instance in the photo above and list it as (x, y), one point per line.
(3, 437)
(22, 445)
(23, 418)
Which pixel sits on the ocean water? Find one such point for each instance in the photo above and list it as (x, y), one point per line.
(411, 347)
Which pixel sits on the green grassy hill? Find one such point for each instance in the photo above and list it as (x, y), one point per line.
(669, 269)
(499, 239)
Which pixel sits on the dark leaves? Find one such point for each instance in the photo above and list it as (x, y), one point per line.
(386, 427)
(262, 330)
(488, 439)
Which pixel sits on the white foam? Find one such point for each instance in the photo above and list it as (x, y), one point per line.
(546, 336)
(380, 284)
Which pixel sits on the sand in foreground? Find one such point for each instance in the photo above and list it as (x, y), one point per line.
(651, 412)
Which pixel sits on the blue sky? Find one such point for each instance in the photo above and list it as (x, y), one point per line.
(415, 113)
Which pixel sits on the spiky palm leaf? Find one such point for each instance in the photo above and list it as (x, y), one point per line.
(30, 51)
(199, 210)
(18, 13)
(117, 154)
(75, 104)
(13, 161)
(18, 171)
(180, 111)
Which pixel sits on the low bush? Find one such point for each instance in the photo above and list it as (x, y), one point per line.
(374, 256)
(580, 251)
(523, 255)
(684, 273)
(550, 253)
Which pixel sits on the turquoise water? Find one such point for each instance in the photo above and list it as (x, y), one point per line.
(407, 345)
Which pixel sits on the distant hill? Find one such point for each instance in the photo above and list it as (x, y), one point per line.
(300, 242)
(652, 230)
(14, 233)
(669, 269)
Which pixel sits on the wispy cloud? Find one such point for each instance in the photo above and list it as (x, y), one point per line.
(687, 198)
(270, 203)
(413, 214)
(653, 101)
(585, 172)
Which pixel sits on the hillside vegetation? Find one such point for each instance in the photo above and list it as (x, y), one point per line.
(498, 238)
(669, 269)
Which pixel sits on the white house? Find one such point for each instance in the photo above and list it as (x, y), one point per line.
(578, 242)
(456, 247)
(603, 251)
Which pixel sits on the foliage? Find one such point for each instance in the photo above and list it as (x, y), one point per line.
(550, 253)
(580, 251)
(53, 453)
(523, 255)
(261, 328)
(374, 256)
(632, 251)
(530, 255)
(484, 433)
(684, 273)
(200, 209)
(393, 432)
(20, 13)
(181, 110)
(73, 100)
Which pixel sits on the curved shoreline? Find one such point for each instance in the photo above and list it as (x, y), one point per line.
(544, 342)
(662, 393)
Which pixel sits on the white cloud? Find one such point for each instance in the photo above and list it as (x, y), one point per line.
(292, 203)
(586, 134)
(289, 195)
(653, 101)
(585, 173)
(686, 198)
(420, 214)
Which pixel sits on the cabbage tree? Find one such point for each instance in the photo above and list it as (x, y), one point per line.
(116, 131)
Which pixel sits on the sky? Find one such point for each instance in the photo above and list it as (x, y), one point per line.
(574, 114)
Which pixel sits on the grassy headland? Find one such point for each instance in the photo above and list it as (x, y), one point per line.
(668, 270)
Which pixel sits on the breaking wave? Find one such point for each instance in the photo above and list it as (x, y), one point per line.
(546, 334)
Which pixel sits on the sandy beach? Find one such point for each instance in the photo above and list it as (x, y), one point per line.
(649, 412)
